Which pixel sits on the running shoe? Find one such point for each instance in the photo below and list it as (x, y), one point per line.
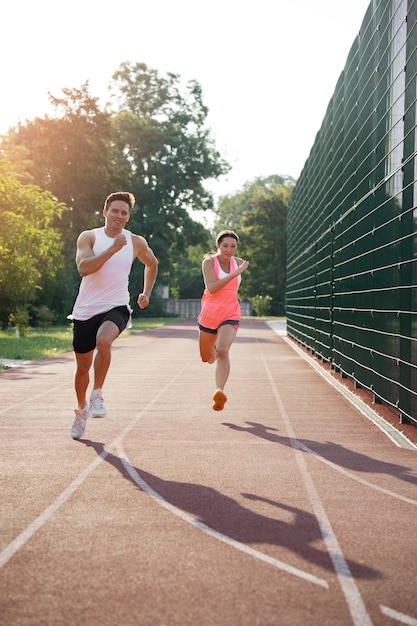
(79, 423)
(219, 400)
(97, 408)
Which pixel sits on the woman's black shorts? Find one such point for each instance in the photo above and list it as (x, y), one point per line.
(213, 331)
(85, 332)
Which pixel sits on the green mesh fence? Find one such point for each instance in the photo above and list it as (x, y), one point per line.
(352, 246)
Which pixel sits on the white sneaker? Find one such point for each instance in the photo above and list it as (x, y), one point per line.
(97, 408)
(79, 423)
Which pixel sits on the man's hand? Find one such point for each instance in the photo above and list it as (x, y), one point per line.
(143, 301)
(118, 242)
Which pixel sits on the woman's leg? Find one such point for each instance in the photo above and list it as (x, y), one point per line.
(207, 349)
(225, 337)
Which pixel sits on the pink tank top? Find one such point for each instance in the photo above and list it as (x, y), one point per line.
(223, 305)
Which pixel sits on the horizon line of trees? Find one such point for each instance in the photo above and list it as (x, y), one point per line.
(150, 139)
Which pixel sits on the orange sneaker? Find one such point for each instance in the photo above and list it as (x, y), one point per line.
(219, 400)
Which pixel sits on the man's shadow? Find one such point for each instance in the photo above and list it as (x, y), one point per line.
(337, 454)
(225, 515)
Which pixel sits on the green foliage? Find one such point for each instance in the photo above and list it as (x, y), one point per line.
(45, 317)
(20, 320)
(231, 209)
(261, 305)
(187, 280)
(259, 214)
(164, 153)
(70, 156)
(153, 141)
(30, 247)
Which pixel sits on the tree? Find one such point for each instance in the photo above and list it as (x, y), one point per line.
(263, 241)
(188, 279)
(154, 143)
(164, 154)
(230, 209)
(30, 247)
(69, 155)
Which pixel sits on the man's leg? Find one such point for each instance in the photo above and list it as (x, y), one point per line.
(82, 376)
(106, 334)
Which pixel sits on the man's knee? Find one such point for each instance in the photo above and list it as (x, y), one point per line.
(104, 344)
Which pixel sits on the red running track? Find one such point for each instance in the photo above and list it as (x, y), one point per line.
(289, 507)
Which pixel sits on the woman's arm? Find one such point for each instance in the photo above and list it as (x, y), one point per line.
(212, 284)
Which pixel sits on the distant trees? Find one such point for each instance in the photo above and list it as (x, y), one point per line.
(230, 209)
(264, 240)
(259, 215)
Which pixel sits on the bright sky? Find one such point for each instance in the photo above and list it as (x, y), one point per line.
(268, 68)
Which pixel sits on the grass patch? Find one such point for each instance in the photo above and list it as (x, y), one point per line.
(37, 344)
(40, 344)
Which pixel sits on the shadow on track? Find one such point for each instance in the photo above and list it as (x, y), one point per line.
(225, 515)
(337, 454)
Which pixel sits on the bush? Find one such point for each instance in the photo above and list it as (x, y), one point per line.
(45, 317)
(261, 305)
(20, 320)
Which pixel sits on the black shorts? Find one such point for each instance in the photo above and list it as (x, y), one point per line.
(85, 332)
(213, 331)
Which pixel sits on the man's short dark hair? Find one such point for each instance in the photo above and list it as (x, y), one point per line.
(124, 196)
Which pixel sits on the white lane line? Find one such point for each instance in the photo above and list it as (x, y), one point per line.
(336, 467)
(34, 526)
(143, 485)
(17, 543)
(349, 588)
(400, 617)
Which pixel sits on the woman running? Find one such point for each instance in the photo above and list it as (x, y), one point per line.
(220, 310)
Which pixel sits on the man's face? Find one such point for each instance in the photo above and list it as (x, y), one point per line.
(117, 214)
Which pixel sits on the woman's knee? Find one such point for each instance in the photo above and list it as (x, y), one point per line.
(208, 356)
(222, 352)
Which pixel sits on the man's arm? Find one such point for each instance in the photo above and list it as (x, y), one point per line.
(87, 261)
(146, 256)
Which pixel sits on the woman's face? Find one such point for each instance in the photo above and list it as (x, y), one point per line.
(227, 246)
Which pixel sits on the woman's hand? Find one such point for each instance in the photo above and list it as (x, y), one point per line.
(242, 267)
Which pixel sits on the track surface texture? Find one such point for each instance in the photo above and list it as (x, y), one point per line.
(289, 507)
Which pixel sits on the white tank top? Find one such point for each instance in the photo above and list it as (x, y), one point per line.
(223, 274)
(109, 286)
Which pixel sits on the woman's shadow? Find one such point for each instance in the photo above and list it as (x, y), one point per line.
(228, 517)
(333, 452)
